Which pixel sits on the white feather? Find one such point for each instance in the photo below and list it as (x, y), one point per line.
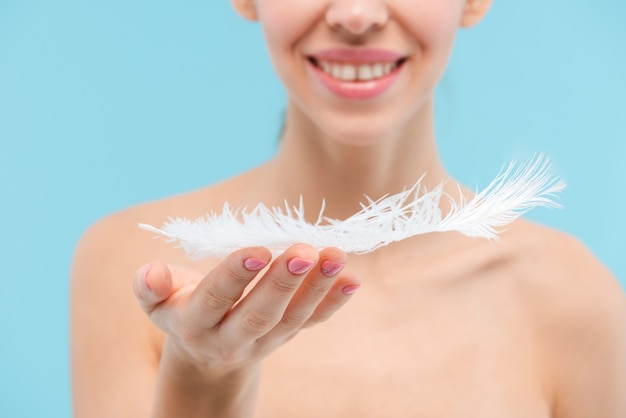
(414, 211)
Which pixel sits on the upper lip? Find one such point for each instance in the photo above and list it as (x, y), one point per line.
(357, 56)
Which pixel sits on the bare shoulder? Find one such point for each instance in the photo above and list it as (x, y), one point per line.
(564, 278)
(116, 242)
(115, 348)
(578, 309)
(116, 239)
(556, 263)
(111, 250)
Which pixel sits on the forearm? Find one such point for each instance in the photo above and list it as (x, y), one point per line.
(183, 390)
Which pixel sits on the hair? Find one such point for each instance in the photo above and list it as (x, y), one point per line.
(282, 126)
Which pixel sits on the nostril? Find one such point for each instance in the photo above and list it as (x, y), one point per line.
(357, 19)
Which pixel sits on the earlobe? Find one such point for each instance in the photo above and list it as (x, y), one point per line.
(473, 12)
(245, 9)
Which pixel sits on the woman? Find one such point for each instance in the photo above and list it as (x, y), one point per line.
(437, 325)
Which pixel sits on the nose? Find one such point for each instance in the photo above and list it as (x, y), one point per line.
(357, 17)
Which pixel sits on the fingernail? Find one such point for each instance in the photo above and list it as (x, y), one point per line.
(348, 290)
(330, 268)
(299, 265)
(254, 264)
(145, 275)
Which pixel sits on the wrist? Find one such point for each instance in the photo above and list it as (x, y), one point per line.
(189, 387)
(204, 369)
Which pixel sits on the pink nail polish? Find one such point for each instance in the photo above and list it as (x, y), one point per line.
(144, 278)
(330, 268)
(299, 265)
(348, 290)
(254, 264)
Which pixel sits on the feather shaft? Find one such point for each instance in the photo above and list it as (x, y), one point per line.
(514, 191)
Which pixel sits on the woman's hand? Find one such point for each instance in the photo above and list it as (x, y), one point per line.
(209, 319)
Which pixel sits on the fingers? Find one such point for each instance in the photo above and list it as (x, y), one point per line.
(218, 292)
(319, 287)
(313, 289)
(299, 289)
(287, 299)
(338, 295)
(265, 305)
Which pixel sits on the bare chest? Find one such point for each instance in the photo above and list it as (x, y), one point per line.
(473, 356)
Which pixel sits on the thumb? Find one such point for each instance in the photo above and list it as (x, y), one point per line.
(152, 285)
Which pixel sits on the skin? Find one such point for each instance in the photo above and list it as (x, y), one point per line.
(437, 325)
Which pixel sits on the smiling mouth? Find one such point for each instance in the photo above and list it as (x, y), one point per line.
(362, 72)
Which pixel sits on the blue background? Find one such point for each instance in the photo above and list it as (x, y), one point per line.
(107, 104)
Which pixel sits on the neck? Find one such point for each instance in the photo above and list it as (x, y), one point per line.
(317, 167)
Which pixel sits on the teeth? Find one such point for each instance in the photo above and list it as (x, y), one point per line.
(348, 72)
(363, 72)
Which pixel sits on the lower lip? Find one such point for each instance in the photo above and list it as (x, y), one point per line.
(357, 90)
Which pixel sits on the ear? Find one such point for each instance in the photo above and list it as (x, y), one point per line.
(246, 9)
(473, 12)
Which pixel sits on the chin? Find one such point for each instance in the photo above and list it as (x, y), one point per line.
(358, 138)
(359, 131)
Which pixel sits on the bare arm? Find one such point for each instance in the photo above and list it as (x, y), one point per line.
(589, 353)
(205, 359)
(114, 347)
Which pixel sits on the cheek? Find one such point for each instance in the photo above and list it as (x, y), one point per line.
(433, 26)
(434, 22)
(285, 23)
